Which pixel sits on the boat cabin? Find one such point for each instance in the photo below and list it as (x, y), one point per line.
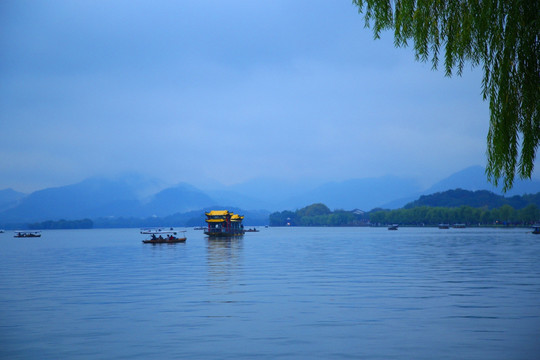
(224, 223)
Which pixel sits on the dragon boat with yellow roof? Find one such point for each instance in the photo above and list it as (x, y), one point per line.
(224, 223)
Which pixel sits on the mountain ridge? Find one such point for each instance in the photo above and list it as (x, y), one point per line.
(476, 199)
(131, 197)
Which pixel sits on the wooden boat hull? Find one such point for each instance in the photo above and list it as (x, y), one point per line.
(164, 241)
(223, 234)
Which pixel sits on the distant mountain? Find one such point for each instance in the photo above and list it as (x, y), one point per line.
(268, 193)
(364, 194)
(477, 199)
(474, 178)
(9, 198)
(181, 198)
(85, 199)
(110, 199)
(239, 200)
(142, 186)
(140, 197)
(189, 219)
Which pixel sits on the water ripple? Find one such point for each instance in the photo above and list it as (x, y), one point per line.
(282, 293)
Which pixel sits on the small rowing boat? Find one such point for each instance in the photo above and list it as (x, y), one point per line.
(159, 236)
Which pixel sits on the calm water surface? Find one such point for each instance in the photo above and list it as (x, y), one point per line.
(281, 293)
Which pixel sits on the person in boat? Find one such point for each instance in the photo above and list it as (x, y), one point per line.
(153, 236)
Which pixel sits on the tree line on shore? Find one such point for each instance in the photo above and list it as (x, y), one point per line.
(425, 215)
(450, 207)
(62, 224)
(479, 208)
(318, 215)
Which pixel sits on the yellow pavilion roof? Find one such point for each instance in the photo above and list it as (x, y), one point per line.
(217, 213)
(237, 217)
(215, 220)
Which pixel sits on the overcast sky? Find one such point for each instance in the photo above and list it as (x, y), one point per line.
(224, 91)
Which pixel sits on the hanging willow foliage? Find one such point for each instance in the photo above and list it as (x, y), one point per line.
(500, 35)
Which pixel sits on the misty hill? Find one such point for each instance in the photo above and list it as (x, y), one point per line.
(180, 198)
(88, 198)
(99, 197)
(9, 198)
(105, 198)
(188, 219)
(474, 178)
(476, 199)
(239, 200)
(273, 193)
(362, 194)
(139, 197)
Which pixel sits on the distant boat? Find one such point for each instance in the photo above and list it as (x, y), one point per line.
(27, 234)
(2, 231)
(251, 230)
(444, 226)
(393, 227)
(536, 229)
(154, 230)
(199, 228)
(159, 236)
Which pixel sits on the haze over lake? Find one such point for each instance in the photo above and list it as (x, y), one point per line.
(149, 109)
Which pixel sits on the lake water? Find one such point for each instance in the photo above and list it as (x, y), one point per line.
(281, 293)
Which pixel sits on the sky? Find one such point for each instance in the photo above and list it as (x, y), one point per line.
(223, 92)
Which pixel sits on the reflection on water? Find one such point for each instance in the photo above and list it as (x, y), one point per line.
(282, 293)
(223, 259)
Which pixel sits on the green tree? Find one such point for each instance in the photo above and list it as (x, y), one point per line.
(283, 218)
(500, 35)
(530, 214)
(487, 217)
(506, 213)
(378, 217)
(313, 210)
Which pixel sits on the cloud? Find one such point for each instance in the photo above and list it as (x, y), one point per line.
(198, 90)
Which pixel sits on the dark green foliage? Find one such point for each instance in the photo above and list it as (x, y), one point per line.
(63, 224)
(453, 206)
(463, 206)
(426, 215)
(480, 198)
(284, 218)
(314, 210)
(317, 215)
(503, 37)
